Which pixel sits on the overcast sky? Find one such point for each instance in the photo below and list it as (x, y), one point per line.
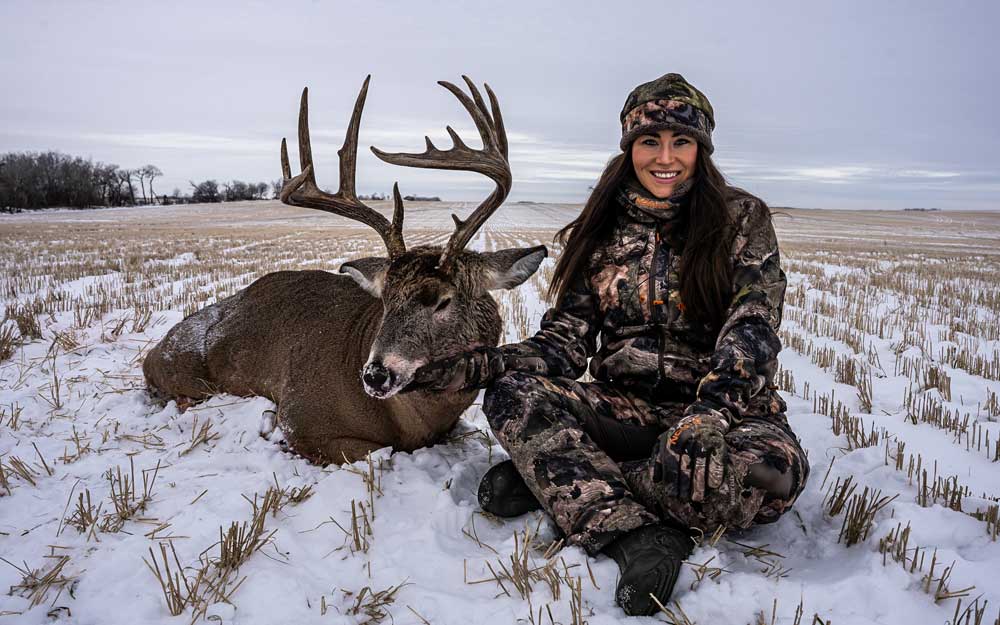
(818, 104)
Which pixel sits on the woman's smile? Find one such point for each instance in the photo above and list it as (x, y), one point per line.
(663, 159)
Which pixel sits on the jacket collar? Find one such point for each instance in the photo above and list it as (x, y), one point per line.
(642, 206)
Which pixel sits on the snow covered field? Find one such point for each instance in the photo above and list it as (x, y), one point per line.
(891, 370)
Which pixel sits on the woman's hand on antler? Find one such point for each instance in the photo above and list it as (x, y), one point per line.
(468, 370)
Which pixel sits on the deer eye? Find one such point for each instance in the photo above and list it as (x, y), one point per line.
(444, 303)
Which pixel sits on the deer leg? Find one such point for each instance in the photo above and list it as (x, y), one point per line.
(313, 434)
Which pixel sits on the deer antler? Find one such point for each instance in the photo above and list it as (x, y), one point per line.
(490, 161)
(302, 190)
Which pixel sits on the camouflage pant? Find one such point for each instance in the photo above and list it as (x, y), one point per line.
(585, 450)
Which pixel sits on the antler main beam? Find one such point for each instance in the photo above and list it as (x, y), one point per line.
(491, 161)
(303, 191)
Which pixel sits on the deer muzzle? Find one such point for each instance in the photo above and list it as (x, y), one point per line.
(386, 376)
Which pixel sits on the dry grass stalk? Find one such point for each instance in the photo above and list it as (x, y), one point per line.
(125, 497)
(703, 571)
(373, 605)
(941, 590)
(838, 496)
(762, 618)
(895, 545)
(361, 529)
(240, 541)
(4, 482)
(973, 613)
(371, 477)
(14, 418)
(415, 613)
(36, 584)
(8, 341)
(82, 447)
(772, 560)
(85, 516)
(26, 320)
(45, 464)
(216, 578)
(860, 515)
(990, 516)
(520, 571)
(67, 340)
(148, 440)
(674, 615)
(51, 393)
(140, 319)
(22, 470)
(200, 435)
(117, 327)
(857, 437)
(179, 590)
(286, 496)
(471, 533)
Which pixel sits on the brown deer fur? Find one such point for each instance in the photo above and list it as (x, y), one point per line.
(301, 339)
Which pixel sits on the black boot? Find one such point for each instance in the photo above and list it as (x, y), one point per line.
(650, 560)
(503, 492)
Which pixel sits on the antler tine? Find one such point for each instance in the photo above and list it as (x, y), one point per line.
(490, 161)
(501, 132)
(484, 125)
(303, 191)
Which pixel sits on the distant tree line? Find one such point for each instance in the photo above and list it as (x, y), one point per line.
(236, 190)
(35, 180)
(32, 180)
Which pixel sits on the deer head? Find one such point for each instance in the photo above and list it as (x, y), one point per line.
(435, 300)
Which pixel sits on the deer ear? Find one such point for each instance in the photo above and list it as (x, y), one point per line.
(369, 273)
(505, 269)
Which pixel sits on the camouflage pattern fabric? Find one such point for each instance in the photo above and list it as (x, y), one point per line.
(628, 301)
(653, 367)
(667, 102)
(596, 480)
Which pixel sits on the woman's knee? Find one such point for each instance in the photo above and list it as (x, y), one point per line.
(508, 398)
(771, 463)
(522, 404)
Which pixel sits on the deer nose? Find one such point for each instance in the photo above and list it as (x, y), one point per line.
(377, 378)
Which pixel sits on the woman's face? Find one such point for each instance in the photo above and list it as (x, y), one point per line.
(662, 160)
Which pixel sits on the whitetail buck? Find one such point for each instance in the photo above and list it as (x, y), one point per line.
(332, 351)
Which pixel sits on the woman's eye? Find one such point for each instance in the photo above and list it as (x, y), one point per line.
(681, 142)
(443, 304)
(650, 142)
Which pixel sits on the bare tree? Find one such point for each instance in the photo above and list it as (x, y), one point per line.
(126, 176)
(152, 172)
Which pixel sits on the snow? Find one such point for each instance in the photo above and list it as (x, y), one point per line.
(427, 533)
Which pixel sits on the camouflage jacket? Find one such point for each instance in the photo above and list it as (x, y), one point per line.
(624, 313)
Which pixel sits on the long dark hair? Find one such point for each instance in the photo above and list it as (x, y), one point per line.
(705, 263)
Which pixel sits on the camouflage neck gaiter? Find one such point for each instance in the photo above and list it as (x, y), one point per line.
(644, 207)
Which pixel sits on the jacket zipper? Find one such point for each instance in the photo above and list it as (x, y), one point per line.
(653, 302)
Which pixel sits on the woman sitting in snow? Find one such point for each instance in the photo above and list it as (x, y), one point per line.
(669, 281)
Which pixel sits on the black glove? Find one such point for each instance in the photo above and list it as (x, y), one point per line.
(690, 458)
(462, 372)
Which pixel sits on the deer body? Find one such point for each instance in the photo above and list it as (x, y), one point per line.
(287, 337)
(333, 351)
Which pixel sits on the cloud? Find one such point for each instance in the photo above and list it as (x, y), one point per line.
(841, 174)
(181, 141)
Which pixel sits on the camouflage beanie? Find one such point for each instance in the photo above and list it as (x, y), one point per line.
(667, 102)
